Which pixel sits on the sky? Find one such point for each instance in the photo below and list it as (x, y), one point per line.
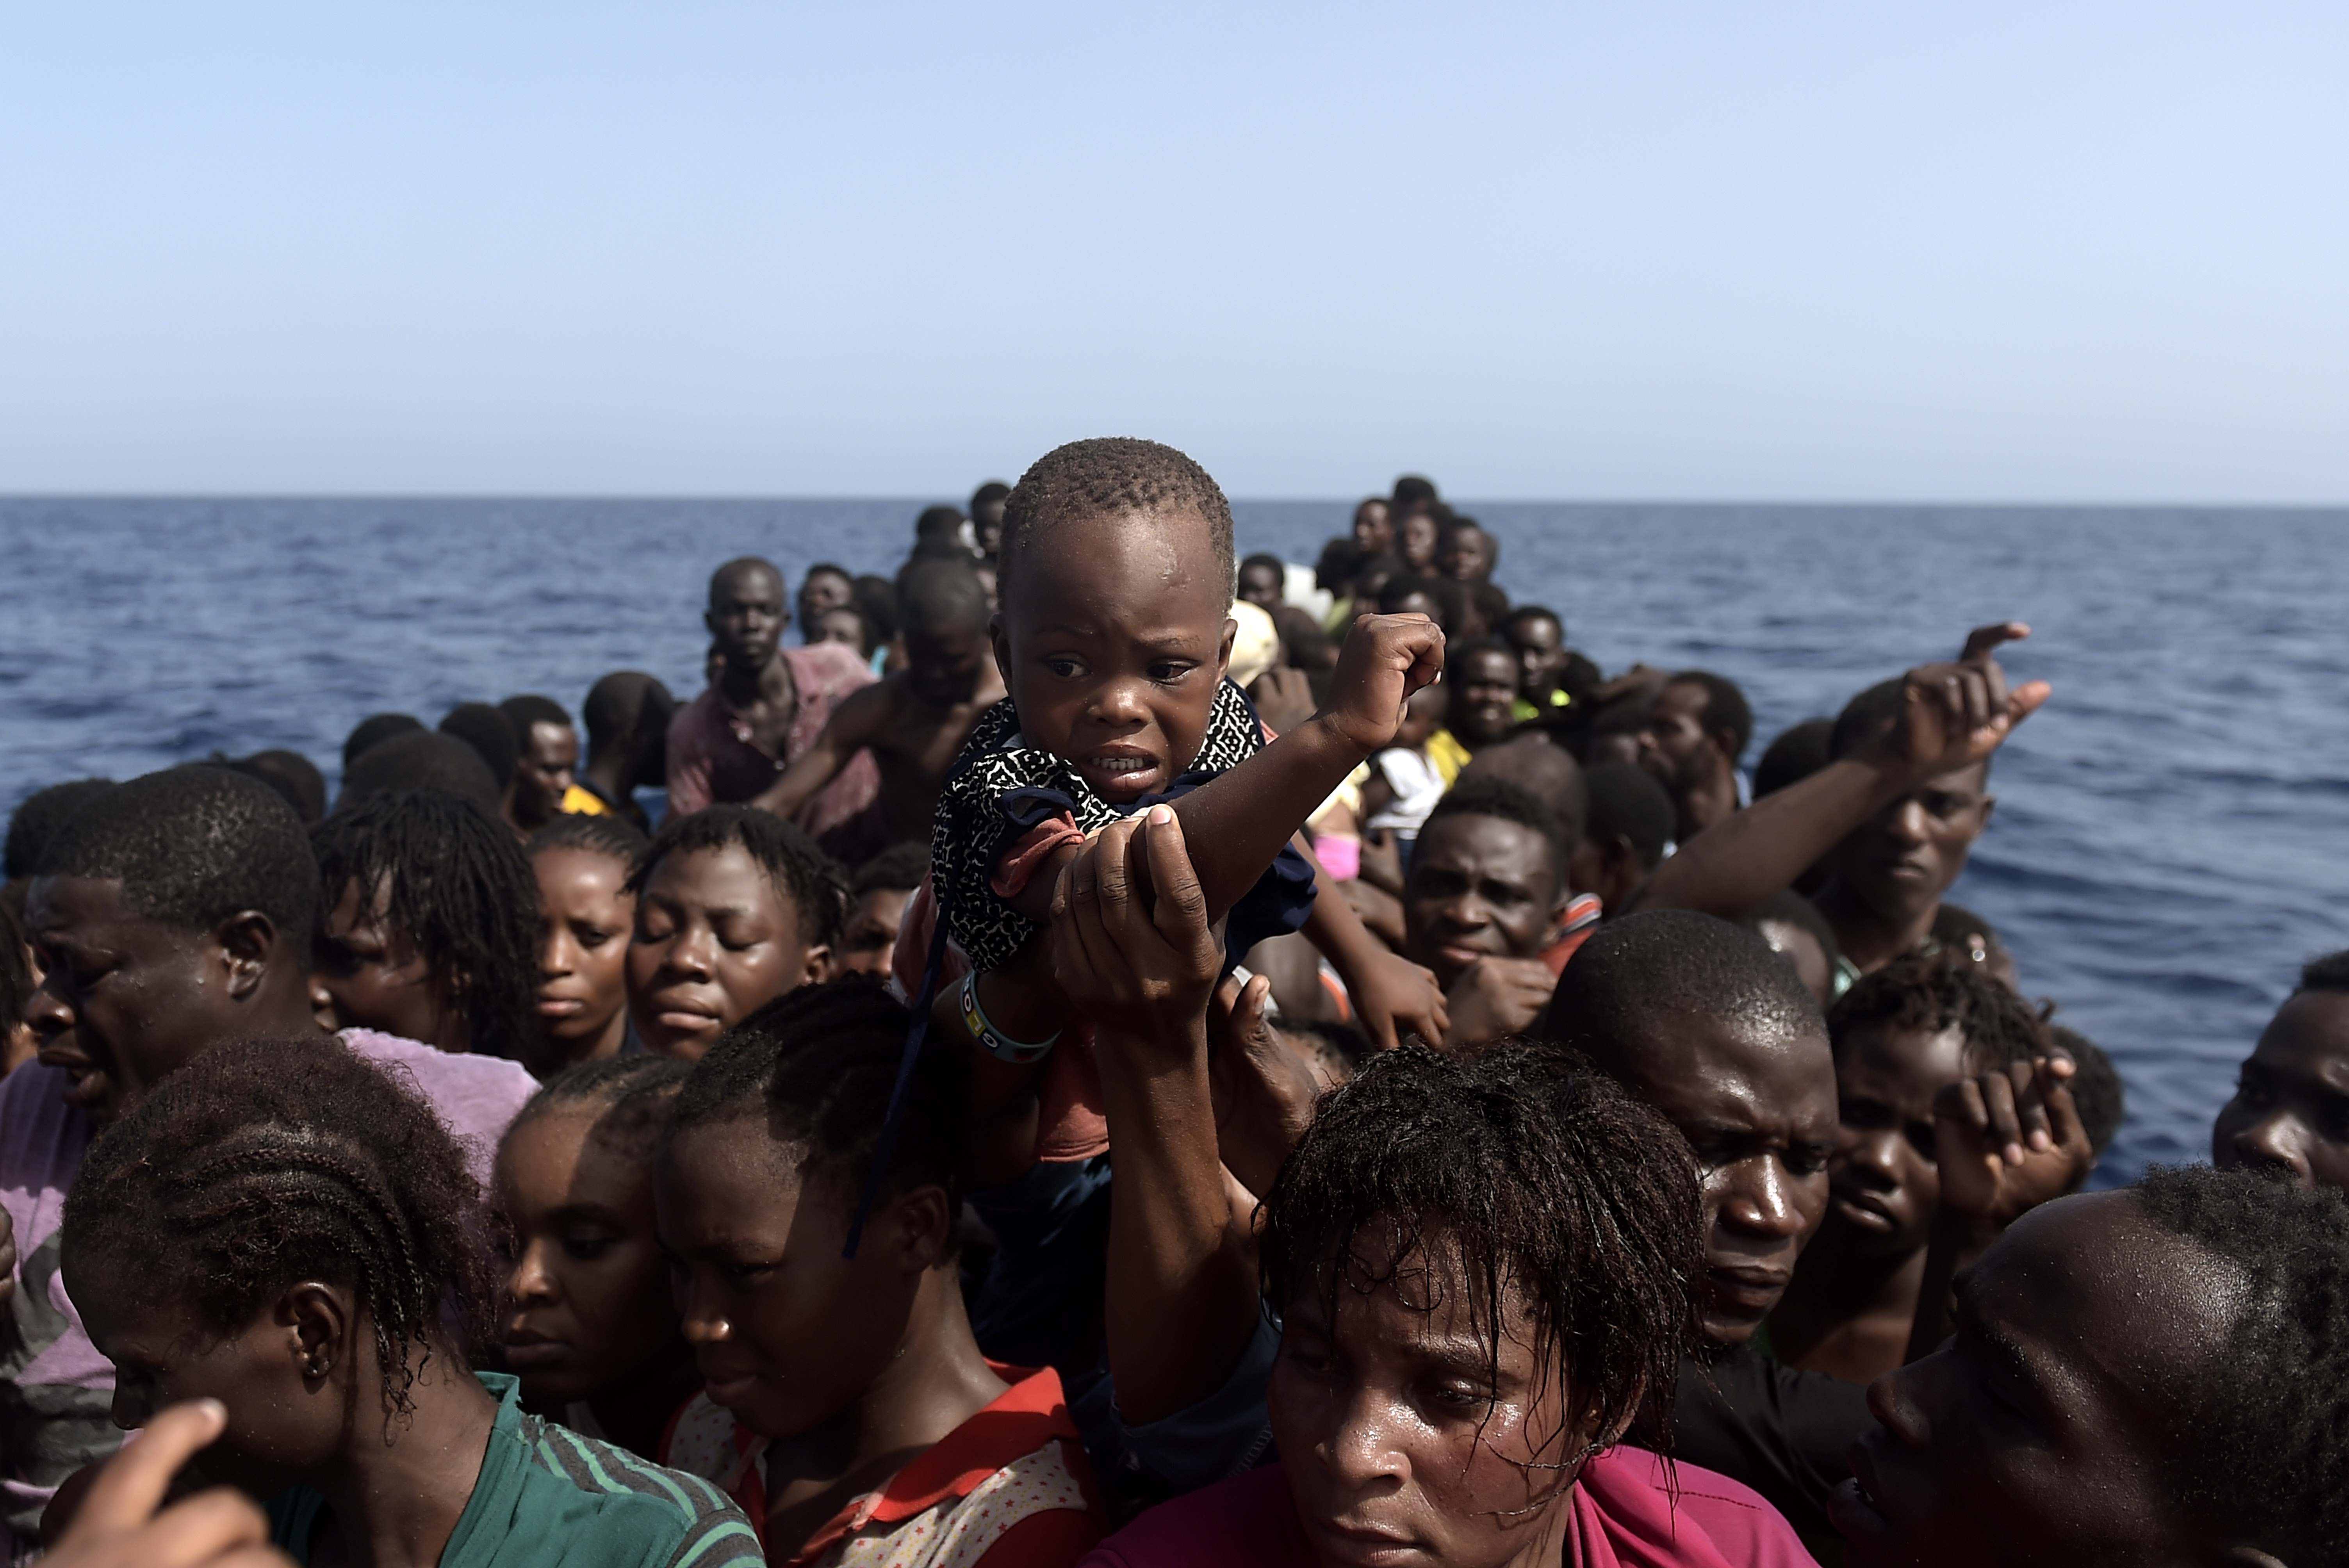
(2093, 252)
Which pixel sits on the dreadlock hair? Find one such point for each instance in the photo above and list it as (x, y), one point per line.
(816, 1066)
(806, 876)
(1115, 477)
(2267, 1413)
(1510, 801)
(615, 837)
(457, 885)
(1927, 993)
(1523, 1175)
(39, 816)
(632, 1095)
(267, 1161)
(192, 846)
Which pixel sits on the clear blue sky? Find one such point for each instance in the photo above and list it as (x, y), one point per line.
(1990, 251)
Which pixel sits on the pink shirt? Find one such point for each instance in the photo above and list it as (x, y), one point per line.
(52, 1367)
(1623, 1517)
(711, 760)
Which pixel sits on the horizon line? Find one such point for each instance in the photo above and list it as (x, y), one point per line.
(918, 499)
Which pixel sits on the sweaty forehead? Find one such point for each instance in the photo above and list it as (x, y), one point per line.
(1696, 1067)
(90, 908)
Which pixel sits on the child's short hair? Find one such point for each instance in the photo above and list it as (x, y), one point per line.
(1112, 475)
(461, 890)
(264, 1162)
(1927, 993)
(816, 1066)
(805, 874)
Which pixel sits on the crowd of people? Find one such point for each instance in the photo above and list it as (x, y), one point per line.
(1103, 1051)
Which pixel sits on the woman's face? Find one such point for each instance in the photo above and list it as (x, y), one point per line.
(716, 939)
(369, 975)
(585, 1308)
(583, 981)
(1406, 1446)
(786, 1332)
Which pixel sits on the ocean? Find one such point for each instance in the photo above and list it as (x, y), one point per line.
(2166, 850)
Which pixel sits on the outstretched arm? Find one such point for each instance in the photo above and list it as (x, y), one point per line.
(1953, 715)
(1132, 948)
(848, 731)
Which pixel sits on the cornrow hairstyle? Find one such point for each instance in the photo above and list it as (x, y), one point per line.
(900, 868)
(1523, 1175)
(2097, 1092)
(633, 1094)
(1511, 802)
(816, 1066)
(192, 846)
(38, 817)
(1115, 476)
(802, 872)
(2268, 1416)
(1927, 993)
(268, 1161)
(615, 837)
(459, 887)
(530, 708)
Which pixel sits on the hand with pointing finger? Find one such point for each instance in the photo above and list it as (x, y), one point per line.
(1953, 715)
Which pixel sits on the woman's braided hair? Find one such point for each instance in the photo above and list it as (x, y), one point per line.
(265, 1162)
(461, 889)
(1530, 1177)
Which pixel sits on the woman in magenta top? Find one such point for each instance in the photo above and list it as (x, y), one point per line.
(1482, 1264)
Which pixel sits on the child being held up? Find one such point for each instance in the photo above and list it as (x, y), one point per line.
(1114, 636)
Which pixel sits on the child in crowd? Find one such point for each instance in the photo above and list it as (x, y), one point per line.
(1900, 1037)
(877, 896)
(847, 1404)
(281, 1227)
(585, 915)
(734, 907)
(584, 1319)
(429, 926)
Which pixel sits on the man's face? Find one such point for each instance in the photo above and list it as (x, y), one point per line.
(550, 756)
(746, 617)
(128, 999)
(1759, 1109)
(1540, 645)
(945, 667)
(822, 591)
(1113, 637)
(1883, 1181)
(1260, 585)
(1673, 747)
(1467, 555)
(1484, 687)
(1480, 887)
(1373, 535)
(2044, 1432)
(2290, 1113)
(1902, 860)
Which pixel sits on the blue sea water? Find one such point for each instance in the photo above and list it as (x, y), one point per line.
(2168, 843)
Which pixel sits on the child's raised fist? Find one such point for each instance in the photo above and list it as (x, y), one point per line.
(1385, 659)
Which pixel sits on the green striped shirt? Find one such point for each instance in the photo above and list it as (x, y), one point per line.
(547, 1496)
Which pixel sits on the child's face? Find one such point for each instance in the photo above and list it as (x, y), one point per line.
(370, 973)
(840, 624)
(586, 914)
(1113, 637)
(1421, 715)
(586, 1306)
(871, 936)
(1883, 1183)
(786, 1332)
(716, 939)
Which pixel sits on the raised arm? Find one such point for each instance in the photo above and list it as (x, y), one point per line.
(848, 731)
(1132, 948)
(1952, 717)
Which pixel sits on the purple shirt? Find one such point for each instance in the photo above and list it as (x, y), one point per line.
(712, 762)
(57, 1392)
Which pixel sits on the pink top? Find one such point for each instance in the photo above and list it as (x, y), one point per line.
(52, 1366)
(711, 760)
(1623, 1517)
